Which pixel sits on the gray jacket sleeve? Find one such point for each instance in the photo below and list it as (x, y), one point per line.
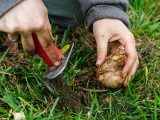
(100, 9)
(6, 5)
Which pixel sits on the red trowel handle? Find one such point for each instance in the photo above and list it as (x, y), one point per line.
(42, 53)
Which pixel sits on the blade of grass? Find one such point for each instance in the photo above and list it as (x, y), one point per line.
(3, 56)
(27, 103)
(53, 108)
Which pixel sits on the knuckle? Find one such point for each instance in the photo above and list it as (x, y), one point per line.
(134, 56)
(11, 30)
(14, 29)
(130, 38)
(46, 10)
(25, 29)
(39, 24)
(17, 27)
(101, 36)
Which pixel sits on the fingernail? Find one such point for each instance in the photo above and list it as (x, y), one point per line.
(124, 73)
(125, 83)
(98, 62)
(57, 63)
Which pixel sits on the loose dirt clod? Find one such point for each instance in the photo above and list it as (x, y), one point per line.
(109, 74)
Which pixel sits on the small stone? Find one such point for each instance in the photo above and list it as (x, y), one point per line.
(19, 116)
(107, 99)
(88, 114)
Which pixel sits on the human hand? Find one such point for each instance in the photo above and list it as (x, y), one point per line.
(30, 16)
(111, 30)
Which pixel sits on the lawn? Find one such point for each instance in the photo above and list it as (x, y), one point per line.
(22, 88)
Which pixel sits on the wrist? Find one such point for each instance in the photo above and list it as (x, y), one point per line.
(108, 20)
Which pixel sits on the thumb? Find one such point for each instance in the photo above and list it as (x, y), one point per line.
(102, 45)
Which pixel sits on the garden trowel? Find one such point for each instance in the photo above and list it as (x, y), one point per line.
(53, 79)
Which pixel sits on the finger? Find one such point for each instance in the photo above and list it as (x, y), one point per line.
(102, 44)
(12, 42)
(48, 47)
(131, 57)
(134, 68)
(132, 72)
(27, 43)
(47, 43)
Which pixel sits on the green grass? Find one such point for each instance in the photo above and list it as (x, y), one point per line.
(22, 88)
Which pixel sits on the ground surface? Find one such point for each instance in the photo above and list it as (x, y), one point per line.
(22, 89)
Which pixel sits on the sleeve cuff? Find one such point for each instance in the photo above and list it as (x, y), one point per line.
(6, 5)
(105, 11)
